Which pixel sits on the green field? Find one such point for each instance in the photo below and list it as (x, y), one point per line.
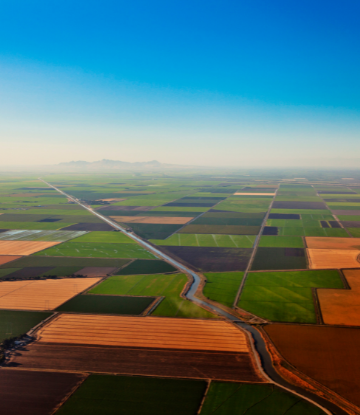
(106, 304)
(169, 286)
(281, 241)
(51, 261)
(34, 225)
(286, 296)
(355, 232)
(209, 240)
(106, 237)
(17, 323)
(222, 287)
(134, 395)
(225, 398)
(220, 229)
(97, 250)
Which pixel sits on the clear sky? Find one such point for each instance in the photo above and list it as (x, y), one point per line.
(217, 83)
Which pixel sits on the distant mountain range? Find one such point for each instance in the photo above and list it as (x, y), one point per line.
(115, 165)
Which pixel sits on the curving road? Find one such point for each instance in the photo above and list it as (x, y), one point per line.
(260, 346)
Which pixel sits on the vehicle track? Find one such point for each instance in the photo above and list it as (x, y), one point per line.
(266, 365)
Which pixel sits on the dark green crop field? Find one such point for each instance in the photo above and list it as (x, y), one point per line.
(17, 323)
(141, 266)
(222, 286)
(114, 395)
(279, 258)
(106, 304)
(97, 250)
(254, 399)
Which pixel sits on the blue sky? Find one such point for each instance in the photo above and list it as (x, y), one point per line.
(234, 83)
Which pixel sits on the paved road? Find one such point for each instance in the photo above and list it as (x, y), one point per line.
(265, 365)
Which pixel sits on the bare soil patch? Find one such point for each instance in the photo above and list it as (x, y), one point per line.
(333, 258)
(332, 243)
(4, 259)
(23, 247)
(330, 355)
(34, 393)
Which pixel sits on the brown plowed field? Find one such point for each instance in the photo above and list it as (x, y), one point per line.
(4, 259)
(41, 295)
(139, 361)
(23, 247)
(157, 332)
(314, 242)
(170, 220)
(34, 393)
(342, 306)
(330, 355)
(96, 271)
(333, 258)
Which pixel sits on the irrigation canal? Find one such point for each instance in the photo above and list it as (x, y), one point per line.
(259, 343)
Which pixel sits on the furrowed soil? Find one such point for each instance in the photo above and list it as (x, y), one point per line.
(158, 332)
(332, 243)
(330, 355)
(23, 247)
(34, 393)
(230, 366)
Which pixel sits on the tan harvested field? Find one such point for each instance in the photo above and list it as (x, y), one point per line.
(112, 200)
(315, 242)
(153, 332)
(333, 258)
(24, 247)
(41, 295)
(153, 219)
(342, 307)
(254, 194)
(4, 259)
(96, 271)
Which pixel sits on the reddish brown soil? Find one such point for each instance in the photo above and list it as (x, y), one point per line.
(314, 242)
(139, 361)
(4, 259)
(330, 355)
(34, 393)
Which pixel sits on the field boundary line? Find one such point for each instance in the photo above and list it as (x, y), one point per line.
(256, 245)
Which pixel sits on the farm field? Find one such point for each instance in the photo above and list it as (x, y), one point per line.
(342, 307)
(23, 247)
(243, 398)
(41, 295)
(106, 304)
(222, 287)
(169, 286)
(287, 246)
(163, 333)
(109, 395)
(41, 392)
(97, 250)
(310, 348)
(17, 323)
(286, 296)
(207, 240)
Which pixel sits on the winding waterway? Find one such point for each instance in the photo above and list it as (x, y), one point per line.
(259, 343)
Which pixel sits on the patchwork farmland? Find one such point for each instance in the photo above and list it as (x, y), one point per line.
(187, 293)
